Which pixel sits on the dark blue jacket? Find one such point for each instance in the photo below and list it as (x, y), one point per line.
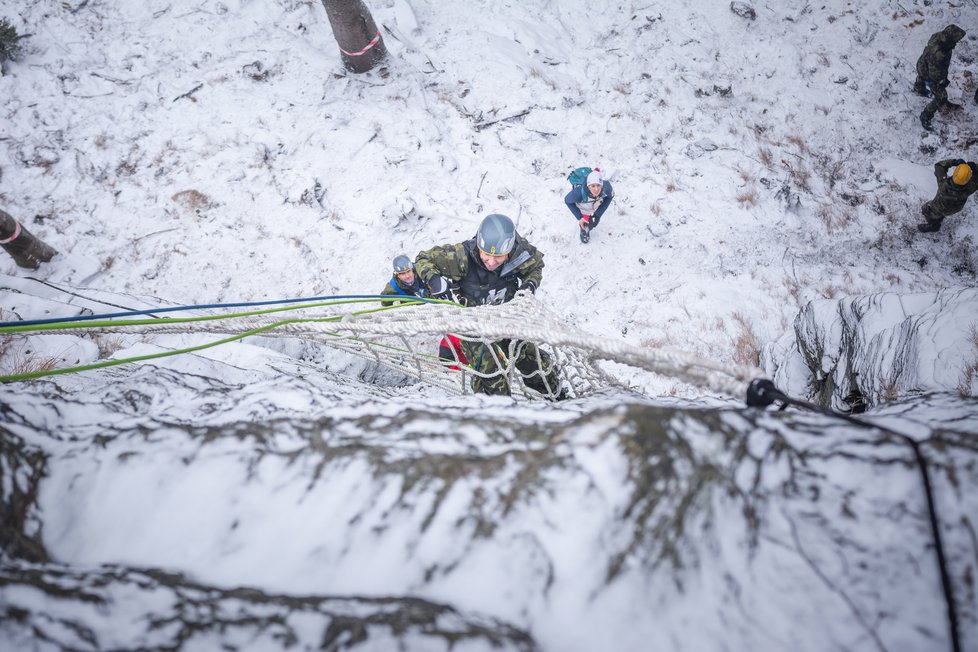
(579, 197)
(395, 287)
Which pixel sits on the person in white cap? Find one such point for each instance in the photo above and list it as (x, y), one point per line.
(588, 202)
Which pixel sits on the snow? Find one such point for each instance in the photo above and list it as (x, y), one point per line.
(216, 151)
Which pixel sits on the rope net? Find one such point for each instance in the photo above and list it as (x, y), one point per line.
(517, 348)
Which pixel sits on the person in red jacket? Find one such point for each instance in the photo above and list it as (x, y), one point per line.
(450, 350)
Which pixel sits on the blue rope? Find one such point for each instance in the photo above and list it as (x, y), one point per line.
(130, 313)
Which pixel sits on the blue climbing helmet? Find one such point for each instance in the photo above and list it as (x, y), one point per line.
(402, 264)
(497, 235)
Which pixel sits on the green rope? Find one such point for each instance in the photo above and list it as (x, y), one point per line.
(112, 323)
(182, 320)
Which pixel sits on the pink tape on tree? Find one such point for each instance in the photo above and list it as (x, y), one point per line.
(364, 50)
(14, 236)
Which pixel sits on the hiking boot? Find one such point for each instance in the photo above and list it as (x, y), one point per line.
(925, 122)
(929, 227)
(585, 234)
(953, 106)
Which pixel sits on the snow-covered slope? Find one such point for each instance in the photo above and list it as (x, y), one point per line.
(758, 164)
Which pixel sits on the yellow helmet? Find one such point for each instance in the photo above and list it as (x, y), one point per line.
(962, 174)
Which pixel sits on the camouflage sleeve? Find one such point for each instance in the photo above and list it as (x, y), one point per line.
(532, 270)
(941, 168)
(388, 290)
(446, 260)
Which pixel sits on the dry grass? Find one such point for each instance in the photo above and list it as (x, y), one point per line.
(801, 176)
(765, 156)
(13, 362)
(108, 345)
(798, 142)
(747, 347)
(889, 391)
(193, 200)
(794, 289)
(5, 340)
(829, 291)
(748, 197)
(539, 74)
(32, 364)
(968, 383)
(832, 217)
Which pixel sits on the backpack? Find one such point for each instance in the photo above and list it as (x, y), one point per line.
(578, 176)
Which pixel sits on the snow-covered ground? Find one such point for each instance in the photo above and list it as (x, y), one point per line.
(216, 151)
(758, 164)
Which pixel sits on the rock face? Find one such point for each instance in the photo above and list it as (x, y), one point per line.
(859, 352)
(201, 507)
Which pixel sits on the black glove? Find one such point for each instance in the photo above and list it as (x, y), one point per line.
(529, 286)
(438, 286)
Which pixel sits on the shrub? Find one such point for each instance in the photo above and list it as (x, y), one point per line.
(9, 41)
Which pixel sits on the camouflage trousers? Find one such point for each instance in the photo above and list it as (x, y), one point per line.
(937, 209)
(937, 91)
(533, 364)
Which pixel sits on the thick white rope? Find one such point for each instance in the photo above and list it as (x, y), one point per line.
(523, 318)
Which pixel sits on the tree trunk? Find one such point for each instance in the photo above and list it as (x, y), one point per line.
(17, 241)
(355, 31)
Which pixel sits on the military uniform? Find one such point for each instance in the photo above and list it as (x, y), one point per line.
(950, 197)
(474, 285)
(932, 67)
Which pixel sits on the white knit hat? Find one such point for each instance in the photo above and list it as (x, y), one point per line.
(594, 177)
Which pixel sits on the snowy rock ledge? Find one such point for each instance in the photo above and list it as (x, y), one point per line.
(858, 352)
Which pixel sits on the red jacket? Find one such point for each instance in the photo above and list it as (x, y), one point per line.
(445, 350)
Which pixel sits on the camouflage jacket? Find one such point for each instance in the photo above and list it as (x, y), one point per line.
(950, 196)
(461, 264)
(395, 287)
(936, 58)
